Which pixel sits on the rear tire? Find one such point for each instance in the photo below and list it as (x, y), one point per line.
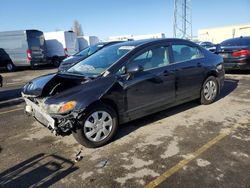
(97, 127)
(209, 91)
(33, 66)
(10, 67)
(56, 62)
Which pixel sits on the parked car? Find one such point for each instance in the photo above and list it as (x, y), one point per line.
(22, 48)
(206, 44)
(71, 60)
(60, 44)
(121, 83)
(236, 53)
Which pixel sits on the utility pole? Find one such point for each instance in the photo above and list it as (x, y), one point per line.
(182, 27)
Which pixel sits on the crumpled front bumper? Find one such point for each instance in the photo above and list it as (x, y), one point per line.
(58, 124)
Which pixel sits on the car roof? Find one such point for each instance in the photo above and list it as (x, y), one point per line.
(147, 41)
(243, 37)
(238, 38)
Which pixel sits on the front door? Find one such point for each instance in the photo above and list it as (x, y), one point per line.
(153, 87)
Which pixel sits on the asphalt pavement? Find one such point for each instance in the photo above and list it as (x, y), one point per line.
(190, 145)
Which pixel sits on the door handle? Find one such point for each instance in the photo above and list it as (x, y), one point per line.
(176, 70)
(199, 65)
(166, 73)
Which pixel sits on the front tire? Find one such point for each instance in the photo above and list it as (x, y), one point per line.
(209, 91)
(97, 127)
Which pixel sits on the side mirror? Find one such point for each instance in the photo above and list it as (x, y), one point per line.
(134, 68)
(131, 69)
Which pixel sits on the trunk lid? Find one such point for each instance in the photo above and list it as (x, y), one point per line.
(227, 51)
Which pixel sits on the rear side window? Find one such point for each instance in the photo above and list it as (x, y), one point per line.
(185, 53)
(236, 42)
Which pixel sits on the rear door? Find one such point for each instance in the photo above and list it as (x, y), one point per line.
(36, 45)
(71, 42)
(189, 71)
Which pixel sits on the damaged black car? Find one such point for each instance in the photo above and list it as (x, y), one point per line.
(121, 83)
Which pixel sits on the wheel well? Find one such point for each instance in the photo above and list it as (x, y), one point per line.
(7, 62)
(55, 58)
(108, 102)
(211, 74)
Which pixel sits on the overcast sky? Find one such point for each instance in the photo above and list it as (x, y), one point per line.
(105, 18)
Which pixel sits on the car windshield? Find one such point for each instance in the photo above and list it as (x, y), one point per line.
(101, 60)
(89, 50)
(236, 42)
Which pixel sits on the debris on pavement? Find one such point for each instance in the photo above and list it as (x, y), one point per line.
(78, 156)
(102, 163)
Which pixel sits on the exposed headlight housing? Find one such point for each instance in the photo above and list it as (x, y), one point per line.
(61, 108)
(68, 106)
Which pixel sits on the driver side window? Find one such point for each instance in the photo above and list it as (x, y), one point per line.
(152, 58)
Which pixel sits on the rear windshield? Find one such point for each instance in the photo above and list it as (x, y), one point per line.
(35, 40)
(236, 42)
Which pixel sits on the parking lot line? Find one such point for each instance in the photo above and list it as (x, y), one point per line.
(16, 84)
(191, 157)
(8, 111)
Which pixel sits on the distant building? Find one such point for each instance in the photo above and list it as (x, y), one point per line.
(136, 37)
(219, 34)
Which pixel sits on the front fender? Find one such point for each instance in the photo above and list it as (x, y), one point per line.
(85, 94)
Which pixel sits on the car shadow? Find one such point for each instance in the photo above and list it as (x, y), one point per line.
(41, 170)
(229, 86)
(238, 72)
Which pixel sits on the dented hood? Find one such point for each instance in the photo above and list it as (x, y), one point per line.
(52, 84)
(35, 87)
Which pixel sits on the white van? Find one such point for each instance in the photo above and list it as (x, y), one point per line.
(60, 44)
(22, 48)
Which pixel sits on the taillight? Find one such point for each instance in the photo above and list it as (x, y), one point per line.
(66, 52)
(241, 53)
(29, 57)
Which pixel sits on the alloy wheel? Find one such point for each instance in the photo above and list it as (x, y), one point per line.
(210, 90)
(98, 126)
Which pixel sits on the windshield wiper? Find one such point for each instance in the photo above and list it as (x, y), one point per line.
(79, 75)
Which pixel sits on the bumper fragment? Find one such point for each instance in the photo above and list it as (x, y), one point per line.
(59, 124)
(236, 66)
(34, 110)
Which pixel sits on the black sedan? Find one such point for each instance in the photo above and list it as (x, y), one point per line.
(121, 83)
(206, 45)
(71, 60)
(236, 53)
